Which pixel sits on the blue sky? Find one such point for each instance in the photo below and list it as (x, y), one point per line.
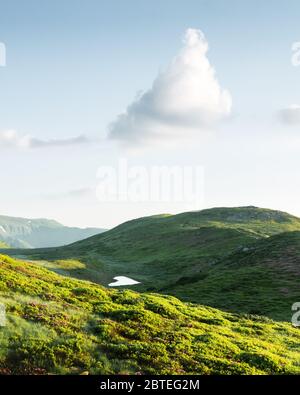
(74, 66)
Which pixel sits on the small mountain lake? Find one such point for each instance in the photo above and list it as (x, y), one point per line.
(122, 280)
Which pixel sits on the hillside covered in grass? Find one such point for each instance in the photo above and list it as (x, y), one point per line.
(61, 325)
(263, 279)
(230, 258)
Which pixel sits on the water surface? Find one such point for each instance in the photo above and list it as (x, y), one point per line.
(122, 280)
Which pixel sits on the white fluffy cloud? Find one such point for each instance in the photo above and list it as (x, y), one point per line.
(185, 98)
(290, 115)
(11, 139)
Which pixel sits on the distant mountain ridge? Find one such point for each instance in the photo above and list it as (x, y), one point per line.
(19, 232)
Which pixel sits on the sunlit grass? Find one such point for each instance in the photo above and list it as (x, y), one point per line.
(65, 326)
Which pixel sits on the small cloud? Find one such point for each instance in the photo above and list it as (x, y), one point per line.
(72, 193)
(290, 115)
(80, 192)
(37, 143)
(185, 98)
(11, 139)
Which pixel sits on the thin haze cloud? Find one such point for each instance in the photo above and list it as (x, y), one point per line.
(290, 115)
(11, 139)
(76, 193)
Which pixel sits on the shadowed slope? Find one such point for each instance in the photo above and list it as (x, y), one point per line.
(263, 279)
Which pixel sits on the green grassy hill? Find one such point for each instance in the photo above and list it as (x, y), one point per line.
(62, 325)
(263, 279)
(198, 256)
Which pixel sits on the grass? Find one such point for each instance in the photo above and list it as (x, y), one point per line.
(60, 325)
(263, 280)
(230, 258)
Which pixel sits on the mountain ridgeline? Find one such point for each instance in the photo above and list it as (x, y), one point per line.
(35, 233)
(244, 260)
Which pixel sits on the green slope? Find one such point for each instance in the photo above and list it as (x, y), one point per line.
(263, 279)
(61, 325)
(187, 255)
